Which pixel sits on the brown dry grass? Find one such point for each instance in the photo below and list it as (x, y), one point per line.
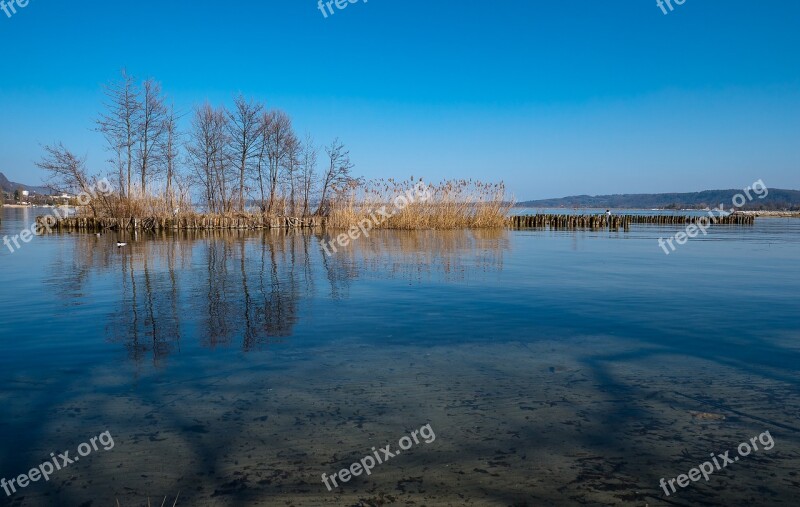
(149, 206)
(455, 204)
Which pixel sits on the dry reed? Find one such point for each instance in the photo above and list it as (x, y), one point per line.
(454, 204)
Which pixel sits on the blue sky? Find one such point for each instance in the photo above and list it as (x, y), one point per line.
(553, 97)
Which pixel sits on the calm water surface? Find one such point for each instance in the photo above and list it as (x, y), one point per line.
(555, 368)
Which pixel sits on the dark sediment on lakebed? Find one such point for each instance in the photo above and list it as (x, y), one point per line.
(527, 424)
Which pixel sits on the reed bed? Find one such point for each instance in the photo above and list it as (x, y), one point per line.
(410, 205)
(454, 204)
(157, 206)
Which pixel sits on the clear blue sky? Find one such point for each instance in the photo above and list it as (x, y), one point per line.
(554, 97)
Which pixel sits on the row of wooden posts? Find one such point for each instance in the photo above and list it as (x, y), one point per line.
(620, 221)
(202, 222)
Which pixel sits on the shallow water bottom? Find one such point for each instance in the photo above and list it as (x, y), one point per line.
(551, 422)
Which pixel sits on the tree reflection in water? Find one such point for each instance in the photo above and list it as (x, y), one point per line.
(245, 289)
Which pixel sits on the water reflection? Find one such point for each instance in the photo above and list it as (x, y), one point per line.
(226, 289)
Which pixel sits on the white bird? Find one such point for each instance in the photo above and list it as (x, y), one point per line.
(120, 245)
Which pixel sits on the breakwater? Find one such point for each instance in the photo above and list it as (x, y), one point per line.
(255, 222)
(195, 222)
(619, 221)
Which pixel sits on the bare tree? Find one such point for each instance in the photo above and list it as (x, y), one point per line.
(200, 150)
(119, 163)
(278, 134)
(245, 133)
(232, 155)
(337, 173)
(308, 166)
(170, 155)
(152, 121)
(119, 125)
(291, 167)
(209, 157)
(262, 161)
(67, 171)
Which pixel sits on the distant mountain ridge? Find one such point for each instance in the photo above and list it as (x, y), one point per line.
(776, 199)
(11, 186)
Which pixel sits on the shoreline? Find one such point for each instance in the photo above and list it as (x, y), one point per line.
(42, 206)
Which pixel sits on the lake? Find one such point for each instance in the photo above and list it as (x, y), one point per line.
(553, 367)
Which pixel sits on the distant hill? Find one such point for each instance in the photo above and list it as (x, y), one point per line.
(776, 199)
(11, 186)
